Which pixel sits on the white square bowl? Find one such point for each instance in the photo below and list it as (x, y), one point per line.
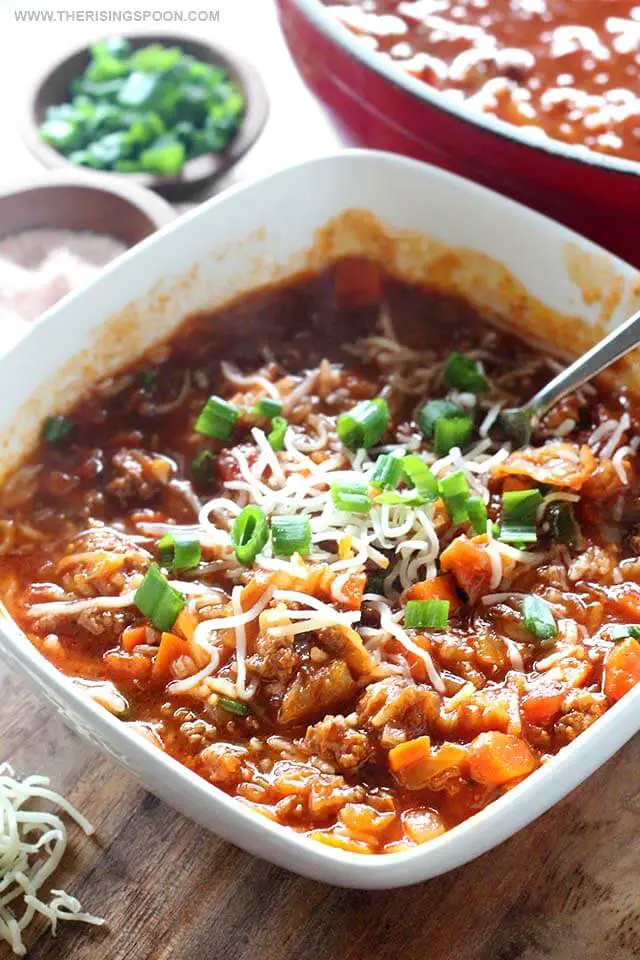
(505, 257)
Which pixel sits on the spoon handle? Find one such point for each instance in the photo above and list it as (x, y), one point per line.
(620, 341)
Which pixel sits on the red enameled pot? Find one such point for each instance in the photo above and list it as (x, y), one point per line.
(375, 104)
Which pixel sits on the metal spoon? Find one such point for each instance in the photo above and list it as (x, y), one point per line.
(518, 422)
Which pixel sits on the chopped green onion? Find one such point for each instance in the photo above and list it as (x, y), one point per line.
(519, 510)
(291, 535)
(202, 465)
(620, 631)
(217, 418)
(179, 552)
(477, 513)
(233, 706)
(268, 407)
(521, 506)
(454, 490)
(518, 533)
(451, 432)
(463, 373)
(419, 474)
(146, 379)
(365, 425)
(157, 600)
(56, 429)
(410, 499)
(538, 618)
(434, 411)
(249, 533)
(278, 430)
(562, 524)
(426, 614)
(387, 471)
(351, 497)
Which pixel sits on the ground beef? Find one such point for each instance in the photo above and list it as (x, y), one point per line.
(336, 740)
(275, 659)
(582, 709)
(398, 710)
(131, 477)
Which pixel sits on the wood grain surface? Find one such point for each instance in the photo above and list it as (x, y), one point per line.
(566, 888)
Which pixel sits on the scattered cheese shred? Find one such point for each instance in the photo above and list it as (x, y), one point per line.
(32, 844)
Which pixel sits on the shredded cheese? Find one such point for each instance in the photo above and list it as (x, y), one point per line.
(32, 844)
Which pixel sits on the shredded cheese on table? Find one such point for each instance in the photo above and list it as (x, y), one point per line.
(32, 844)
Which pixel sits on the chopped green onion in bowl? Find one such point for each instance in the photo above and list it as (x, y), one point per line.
(277, 433)
(426, 614)
(179, 552)
(455, 492)
(291, 534)
(156, 599)
(463, 373)
(351, 497)
(249, 533)
(365, 425)
(268, 407)
(149, 110)
(217, 419)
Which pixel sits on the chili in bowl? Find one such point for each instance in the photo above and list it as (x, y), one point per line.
(285, 549)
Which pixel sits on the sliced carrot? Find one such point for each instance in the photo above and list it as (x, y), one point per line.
(437, 588)
(171, 647)
(497, 758)
(132, 636)
(469, 563)
(416, 766)
(127, 667)
(541, 707)
(409, 753)
(186, 623)
(622, 668)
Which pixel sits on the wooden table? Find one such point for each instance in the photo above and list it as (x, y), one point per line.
(566, 888)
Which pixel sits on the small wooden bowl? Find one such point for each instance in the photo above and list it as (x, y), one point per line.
(52, 87)
(71, 200)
